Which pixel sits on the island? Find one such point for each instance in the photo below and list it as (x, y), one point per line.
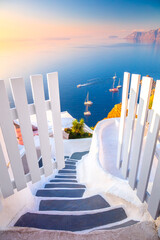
(152, 36)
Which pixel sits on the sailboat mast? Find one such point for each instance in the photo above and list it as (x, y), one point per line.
(113, 82)
(87, 96)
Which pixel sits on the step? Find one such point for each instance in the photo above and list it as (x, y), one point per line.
(71, 193)
(71, 222)
(64, 185)
(90, 203)
(69, 167)
(125, 224)
(78, 155)
(63, 180)
(40, 163)
(65, 176)
(67, 171)
(70, 162)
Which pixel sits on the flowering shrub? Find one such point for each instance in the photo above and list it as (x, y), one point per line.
(116, 111)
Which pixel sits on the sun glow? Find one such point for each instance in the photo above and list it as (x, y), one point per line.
(20, 27)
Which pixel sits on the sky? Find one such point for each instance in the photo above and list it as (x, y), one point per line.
(22, 20)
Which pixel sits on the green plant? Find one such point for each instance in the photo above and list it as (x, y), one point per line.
(77, 130)
(78, 127)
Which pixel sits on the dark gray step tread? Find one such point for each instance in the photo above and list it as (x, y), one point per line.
(91, 203)
(64, 185)
(63, 180)
(69, 167)
(71, 222)
(72, 193)
(67, 171)
(78, 155)
(70, 162)
(65, 176)
(126, 224)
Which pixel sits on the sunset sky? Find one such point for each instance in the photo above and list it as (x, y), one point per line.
(70, 19)
(81, 39)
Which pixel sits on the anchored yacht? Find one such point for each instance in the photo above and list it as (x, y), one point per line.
(87, 101)
(119, 85)
(113, 89)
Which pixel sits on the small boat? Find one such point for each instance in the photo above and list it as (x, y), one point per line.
(113, 89)
(114, 77)
(87, 101)
(87, 113)
(85, 84)
(119, 86)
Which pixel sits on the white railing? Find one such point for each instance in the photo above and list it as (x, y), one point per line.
(9, 150)
(138, 138)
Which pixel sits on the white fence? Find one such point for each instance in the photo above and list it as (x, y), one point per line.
(9, 150)
(138, 138)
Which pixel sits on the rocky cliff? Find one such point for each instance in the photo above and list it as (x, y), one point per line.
(152, 36)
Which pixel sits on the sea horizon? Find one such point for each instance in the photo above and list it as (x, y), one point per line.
(80, 62)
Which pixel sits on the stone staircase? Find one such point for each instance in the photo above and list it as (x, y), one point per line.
(63, 207)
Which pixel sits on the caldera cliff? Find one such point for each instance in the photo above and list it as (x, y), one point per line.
(152, 36)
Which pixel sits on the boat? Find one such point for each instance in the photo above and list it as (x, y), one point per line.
(87, 113)
(87, 101)
(113, 89)
(85, 84)
(114, 77)
(119, 86)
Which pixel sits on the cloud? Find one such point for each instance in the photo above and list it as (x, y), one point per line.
(113, 36)
(56, 38)
(17, 39)
(138, 30)
(123, 30)
(35, 39)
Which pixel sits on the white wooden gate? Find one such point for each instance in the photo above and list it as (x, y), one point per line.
(8, 142)
(136, 150)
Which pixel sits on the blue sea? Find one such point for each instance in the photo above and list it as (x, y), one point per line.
(82, 64)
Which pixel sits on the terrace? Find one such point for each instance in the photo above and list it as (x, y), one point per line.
(100, 188)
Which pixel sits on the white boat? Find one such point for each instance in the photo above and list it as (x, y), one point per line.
(88, 113)
(114, 77)
(79, 85)
(119, 85)
(87, 101)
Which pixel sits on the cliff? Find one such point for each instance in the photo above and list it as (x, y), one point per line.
(152, 36)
